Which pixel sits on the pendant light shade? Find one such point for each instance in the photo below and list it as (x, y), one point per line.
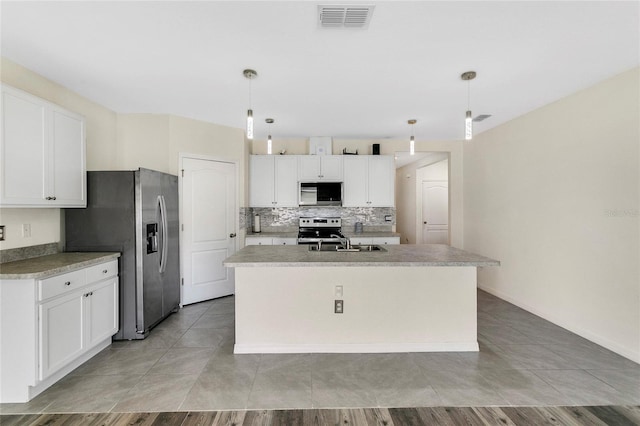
(269, 141)
(250, 124)
(468, 126)
(250, 74)
(412, 140)
(468, 120)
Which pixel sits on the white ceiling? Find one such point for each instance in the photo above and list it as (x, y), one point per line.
(186, 58)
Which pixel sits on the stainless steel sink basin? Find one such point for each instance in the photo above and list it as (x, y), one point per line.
(341, 249)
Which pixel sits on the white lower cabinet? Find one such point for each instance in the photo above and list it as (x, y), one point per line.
(284, 241)
(50, 326)
(101, 313)
(270, 241)
(375, 240)
(61, 332)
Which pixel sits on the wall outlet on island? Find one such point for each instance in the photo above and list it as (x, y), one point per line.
(338, 306)
(26, 230)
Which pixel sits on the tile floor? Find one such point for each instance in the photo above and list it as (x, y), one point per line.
(187, 364)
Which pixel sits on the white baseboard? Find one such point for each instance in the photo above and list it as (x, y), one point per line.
(595, 338)
(356, 348)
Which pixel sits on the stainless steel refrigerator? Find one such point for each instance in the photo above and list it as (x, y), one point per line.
(135, 213)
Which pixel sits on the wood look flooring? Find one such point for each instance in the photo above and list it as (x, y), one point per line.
(586, 415)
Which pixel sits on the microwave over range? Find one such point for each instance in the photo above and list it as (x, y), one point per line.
(320, 194)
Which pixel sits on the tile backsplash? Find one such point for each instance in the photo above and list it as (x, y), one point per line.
(285, 219)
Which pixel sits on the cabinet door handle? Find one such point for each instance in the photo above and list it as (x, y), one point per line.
(232, 235)
(53, 198)
(50, 198)
(67, 283)
(104, 271)
(86, 295)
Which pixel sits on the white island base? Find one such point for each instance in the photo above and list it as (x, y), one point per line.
(386, 309)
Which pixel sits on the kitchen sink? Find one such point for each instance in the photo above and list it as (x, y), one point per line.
(341, 249)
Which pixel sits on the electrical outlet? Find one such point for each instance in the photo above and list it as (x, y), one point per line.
(338, 291)
(338, 306)
(1, 232)
(26, 230)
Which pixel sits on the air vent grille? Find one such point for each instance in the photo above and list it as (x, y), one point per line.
(342, 16)
(481, 117)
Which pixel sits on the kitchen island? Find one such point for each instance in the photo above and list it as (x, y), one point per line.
(407, 298)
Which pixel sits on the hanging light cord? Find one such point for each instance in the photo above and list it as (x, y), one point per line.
(250, 78)
(468, 95)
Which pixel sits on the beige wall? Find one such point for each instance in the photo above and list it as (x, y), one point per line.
(155, 142)
(554, 195)
(220, 142)
(143, 141)
(101, 151)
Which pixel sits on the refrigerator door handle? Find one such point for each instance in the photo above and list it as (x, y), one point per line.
(164, 226)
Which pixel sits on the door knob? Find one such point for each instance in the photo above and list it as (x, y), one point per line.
(424, 223)
(232, 235)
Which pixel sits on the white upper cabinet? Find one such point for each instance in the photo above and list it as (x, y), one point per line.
(369, 181)
(317, 168)
(382, 177)
(273, 181)
(42, 147)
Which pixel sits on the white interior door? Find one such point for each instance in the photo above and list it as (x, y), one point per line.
(435, 212)
(208, 217)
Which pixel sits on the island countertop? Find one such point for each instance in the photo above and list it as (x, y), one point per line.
(395, 255)
(53, 264)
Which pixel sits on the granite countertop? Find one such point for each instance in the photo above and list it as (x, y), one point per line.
(395, 255)
(53, 264)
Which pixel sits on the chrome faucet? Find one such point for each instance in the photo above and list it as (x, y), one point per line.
(343, 240)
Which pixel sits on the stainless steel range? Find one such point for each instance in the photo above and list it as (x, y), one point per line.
(324, 230)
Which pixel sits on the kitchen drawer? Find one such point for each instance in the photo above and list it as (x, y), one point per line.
(61, 284)
(258, 241)
(102, 271)
(284, 241)
(361, 240)
(386, 240)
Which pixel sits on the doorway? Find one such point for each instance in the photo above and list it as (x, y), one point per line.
(208, 197)
(411, 172)
(432, 203)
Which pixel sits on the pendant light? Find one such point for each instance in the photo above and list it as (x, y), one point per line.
(468, 121)
(269, 142)
(250, 74)
(412, 140)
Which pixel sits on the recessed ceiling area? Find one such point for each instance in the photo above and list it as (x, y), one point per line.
(186, 58)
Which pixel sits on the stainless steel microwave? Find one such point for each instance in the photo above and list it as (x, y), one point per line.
(320, 194)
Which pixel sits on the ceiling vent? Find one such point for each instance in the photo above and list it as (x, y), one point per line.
(481, 117)
(344, 16)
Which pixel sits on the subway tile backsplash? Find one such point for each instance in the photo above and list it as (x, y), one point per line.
(285, 219)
